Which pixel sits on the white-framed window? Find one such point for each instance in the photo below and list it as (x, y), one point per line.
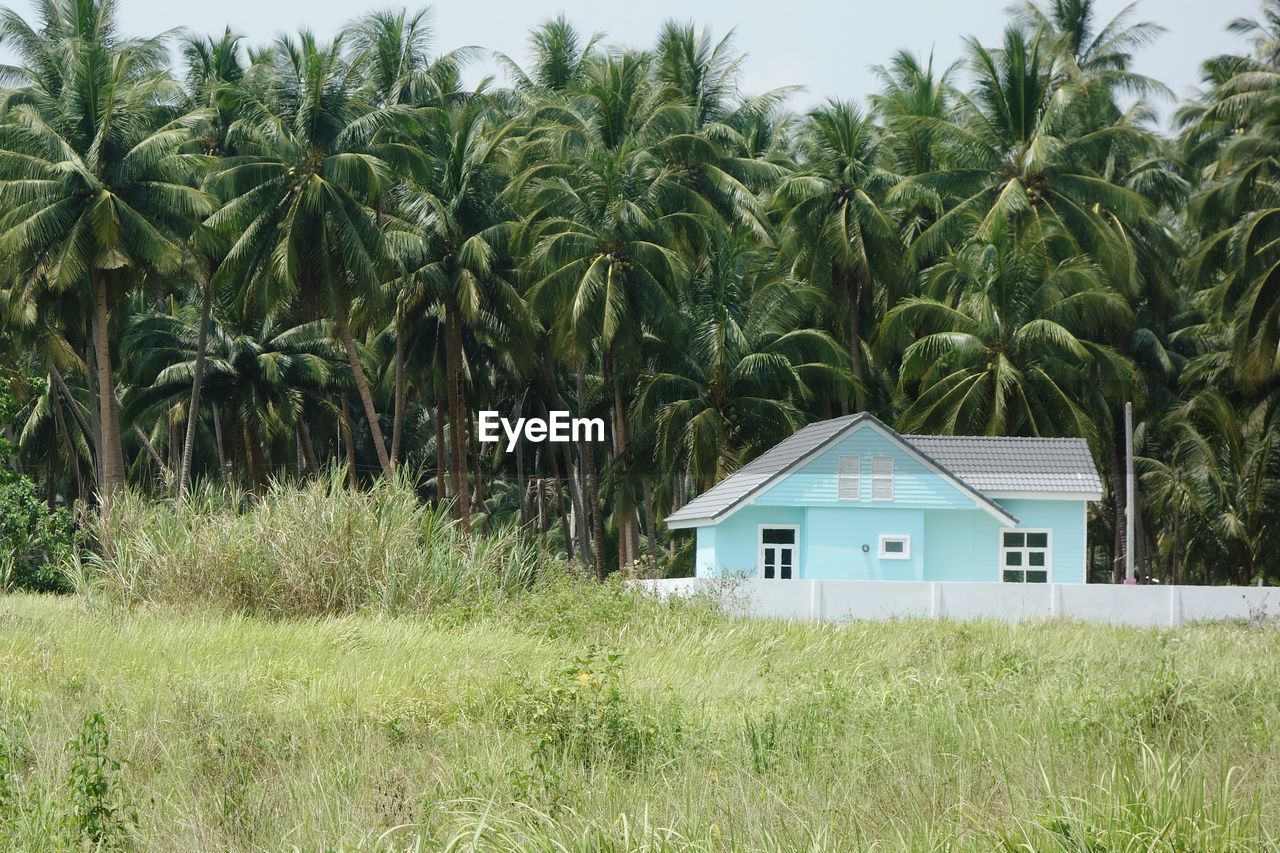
(849, 478)
(882, 478)
(895, 547)
(779, 551)
(1026, 556)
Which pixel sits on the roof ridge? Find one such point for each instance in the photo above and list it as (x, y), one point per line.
(999, 437)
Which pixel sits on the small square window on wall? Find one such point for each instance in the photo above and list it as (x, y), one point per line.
(1025, 556)
(849, 478)
(895, 547)
(882, 478)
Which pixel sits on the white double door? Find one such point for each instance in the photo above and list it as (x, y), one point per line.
(778, 553)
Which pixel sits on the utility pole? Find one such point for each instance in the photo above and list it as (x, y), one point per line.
(1129, 577)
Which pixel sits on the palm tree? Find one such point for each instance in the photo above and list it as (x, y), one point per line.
(1100, 56)
(258, 371)
(1214, 488)
(300, 193)
(733, 383)
(560, 60)
(95, 190)
(1232, 135)
(1005, 342)
(834, 224)
(460, 227)
(214, 71)
(609, 215)
(1022, 150)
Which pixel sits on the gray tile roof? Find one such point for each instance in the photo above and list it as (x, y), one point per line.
(995, 464)
(983, 463)
(738, 485)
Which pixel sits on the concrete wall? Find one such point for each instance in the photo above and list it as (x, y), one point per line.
(840, 601)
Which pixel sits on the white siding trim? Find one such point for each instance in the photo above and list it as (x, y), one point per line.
(980, 500)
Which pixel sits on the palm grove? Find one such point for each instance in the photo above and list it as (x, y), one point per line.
(265, 263)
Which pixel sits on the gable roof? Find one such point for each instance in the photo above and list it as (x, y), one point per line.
(975, 464)
(732, 490)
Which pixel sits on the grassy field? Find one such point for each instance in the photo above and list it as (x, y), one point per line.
(591, 718)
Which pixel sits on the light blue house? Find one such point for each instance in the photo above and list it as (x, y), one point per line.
(850, 499)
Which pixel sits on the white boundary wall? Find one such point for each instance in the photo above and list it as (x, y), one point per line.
(846, 601)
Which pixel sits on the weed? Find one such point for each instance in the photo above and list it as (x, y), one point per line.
(98, 810)
(584, 718)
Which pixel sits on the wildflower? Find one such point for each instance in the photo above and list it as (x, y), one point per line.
(584, 678)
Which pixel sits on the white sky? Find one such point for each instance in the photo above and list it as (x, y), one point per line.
(826, 47)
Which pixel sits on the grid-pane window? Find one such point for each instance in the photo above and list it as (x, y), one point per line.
(850, 478)
(882, 478)
(1024, 556)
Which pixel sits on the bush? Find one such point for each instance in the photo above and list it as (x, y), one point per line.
(34, 540)
(98, 812)
(318, 548)
(584, 718)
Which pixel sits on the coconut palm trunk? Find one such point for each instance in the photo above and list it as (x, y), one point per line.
(397, 421)
(1118, 500)
(85, 427)
(853, 291)
(625, 507)
(348, 440)
(587, 455)
(575, 490)
(197, 381)
(56, 398)
(112, 453)
(366, 395)
(457, 417)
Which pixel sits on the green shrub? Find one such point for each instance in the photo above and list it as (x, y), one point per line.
(98, 811)
(584, 718)
(34, 540)
(318, 548)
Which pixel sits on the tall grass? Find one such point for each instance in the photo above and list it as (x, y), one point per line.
(650, 728)
(532, 710)
(314, 549)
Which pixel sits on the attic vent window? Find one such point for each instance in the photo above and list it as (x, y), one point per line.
(882, 478)
(850, 478)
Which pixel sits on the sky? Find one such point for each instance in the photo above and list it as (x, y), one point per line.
(826, 47)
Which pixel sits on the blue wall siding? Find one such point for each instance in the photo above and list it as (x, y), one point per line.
(735, 545)
(915, 485)
(704, 553)
(962, 546)
(1067, 521)
(835, 536)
